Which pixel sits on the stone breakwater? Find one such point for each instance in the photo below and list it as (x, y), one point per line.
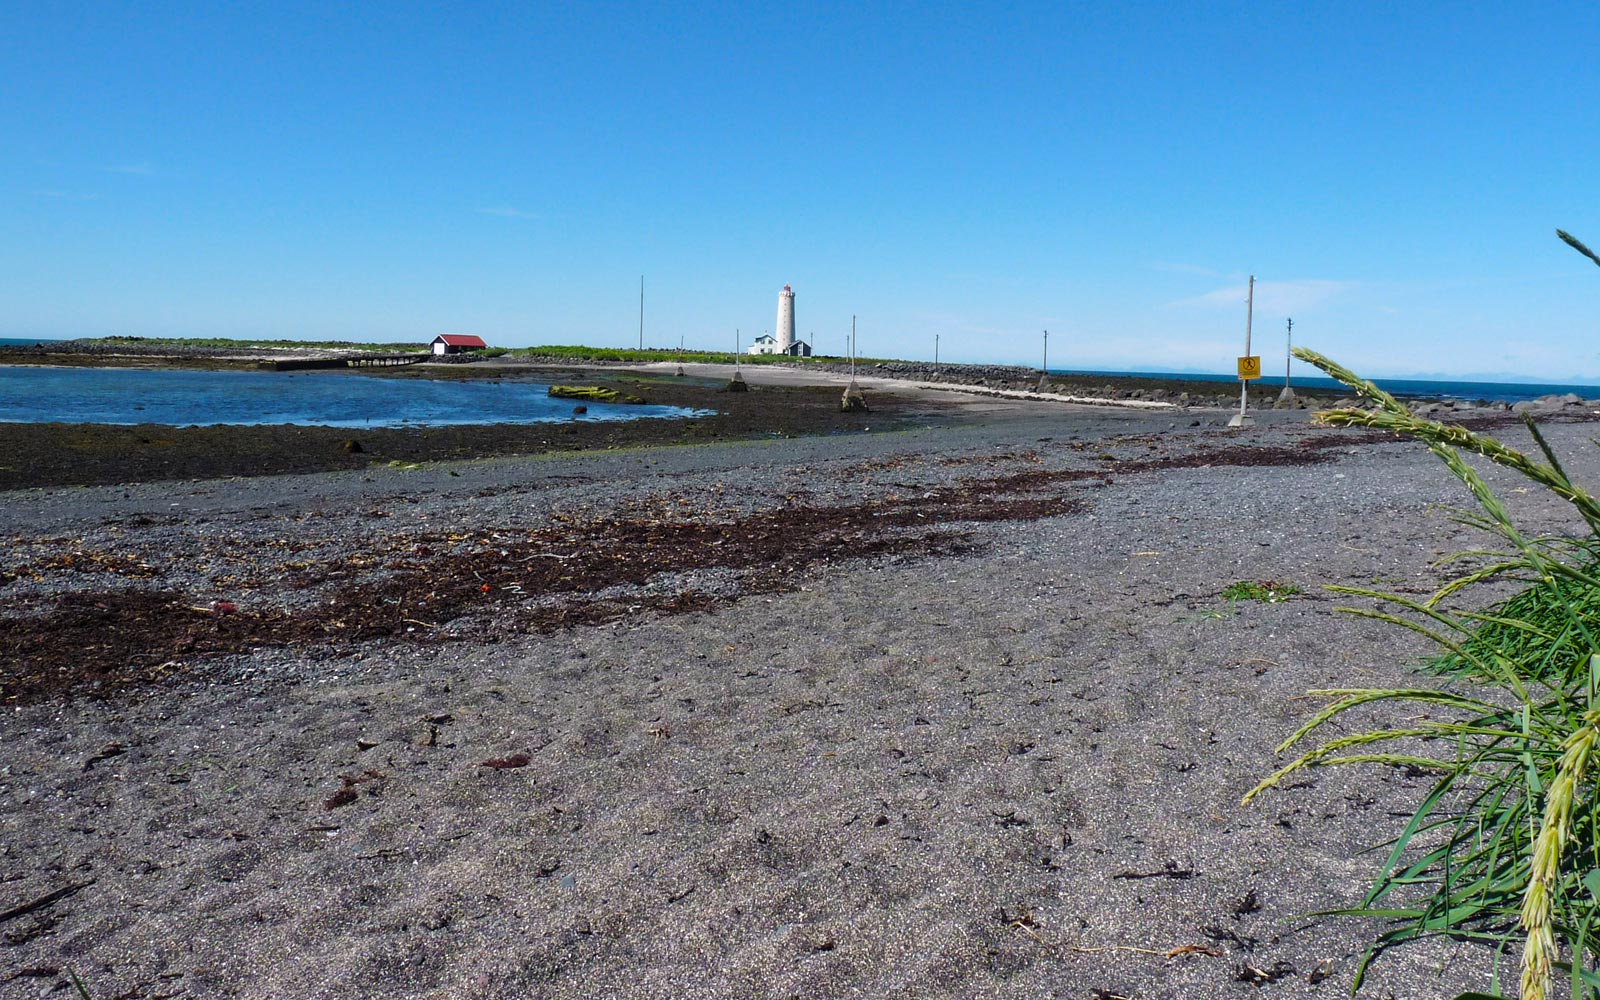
(1149, 388)
(1201, 393)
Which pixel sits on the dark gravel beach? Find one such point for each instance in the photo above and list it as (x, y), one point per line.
(955, 710)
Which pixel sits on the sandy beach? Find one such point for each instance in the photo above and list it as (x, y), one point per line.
(950, 710)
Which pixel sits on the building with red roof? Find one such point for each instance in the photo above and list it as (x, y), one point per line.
(455, 343)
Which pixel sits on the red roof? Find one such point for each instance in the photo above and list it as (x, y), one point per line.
(459, 340)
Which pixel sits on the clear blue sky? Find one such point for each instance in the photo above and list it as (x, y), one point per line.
(1392, 173)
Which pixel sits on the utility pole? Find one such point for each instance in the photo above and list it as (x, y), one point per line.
(1288, 351)
(1286, 397)
(936, 350)
(1044, 365)
(1243, 418)
(853, 399)
(736, 384)
(641, 312)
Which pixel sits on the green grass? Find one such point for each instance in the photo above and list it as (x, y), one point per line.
(1545, 628)
(1268, 591)
(1504, 848)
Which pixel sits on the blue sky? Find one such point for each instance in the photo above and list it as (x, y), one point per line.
(1393, 174)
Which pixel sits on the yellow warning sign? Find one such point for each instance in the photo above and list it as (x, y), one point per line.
(1250, 367)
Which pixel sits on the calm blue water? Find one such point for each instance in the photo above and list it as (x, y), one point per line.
(30, 394)
(1507, 392)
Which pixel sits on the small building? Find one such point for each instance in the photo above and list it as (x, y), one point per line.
(455, 343)
(768, 344)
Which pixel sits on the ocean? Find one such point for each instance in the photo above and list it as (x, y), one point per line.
(180, 397)
(1505, 392)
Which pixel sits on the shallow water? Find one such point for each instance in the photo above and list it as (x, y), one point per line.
(32, 394)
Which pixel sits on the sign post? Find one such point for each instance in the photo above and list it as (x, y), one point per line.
(1249, 365)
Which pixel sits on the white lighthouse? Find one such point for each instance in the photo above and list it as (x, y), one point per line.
(783, 342)
(785, 327)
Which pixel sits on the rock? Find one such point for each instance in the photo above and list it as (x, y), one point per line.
(592, 393)
(353, 446)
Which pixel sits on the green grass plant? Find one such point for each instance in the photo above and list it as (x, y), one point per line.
(1266, 591)
(1504, 848)
(77, 985)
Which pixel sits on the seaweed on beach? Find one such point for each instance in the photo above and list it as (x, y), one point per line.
(539, 580)
(433, 587)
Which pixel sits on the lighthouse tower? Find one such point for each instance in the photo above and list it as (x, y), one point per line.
(785, 327)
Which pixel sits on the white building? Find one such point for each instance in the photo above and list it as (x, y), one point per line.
(784, 342)
(455, 343)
